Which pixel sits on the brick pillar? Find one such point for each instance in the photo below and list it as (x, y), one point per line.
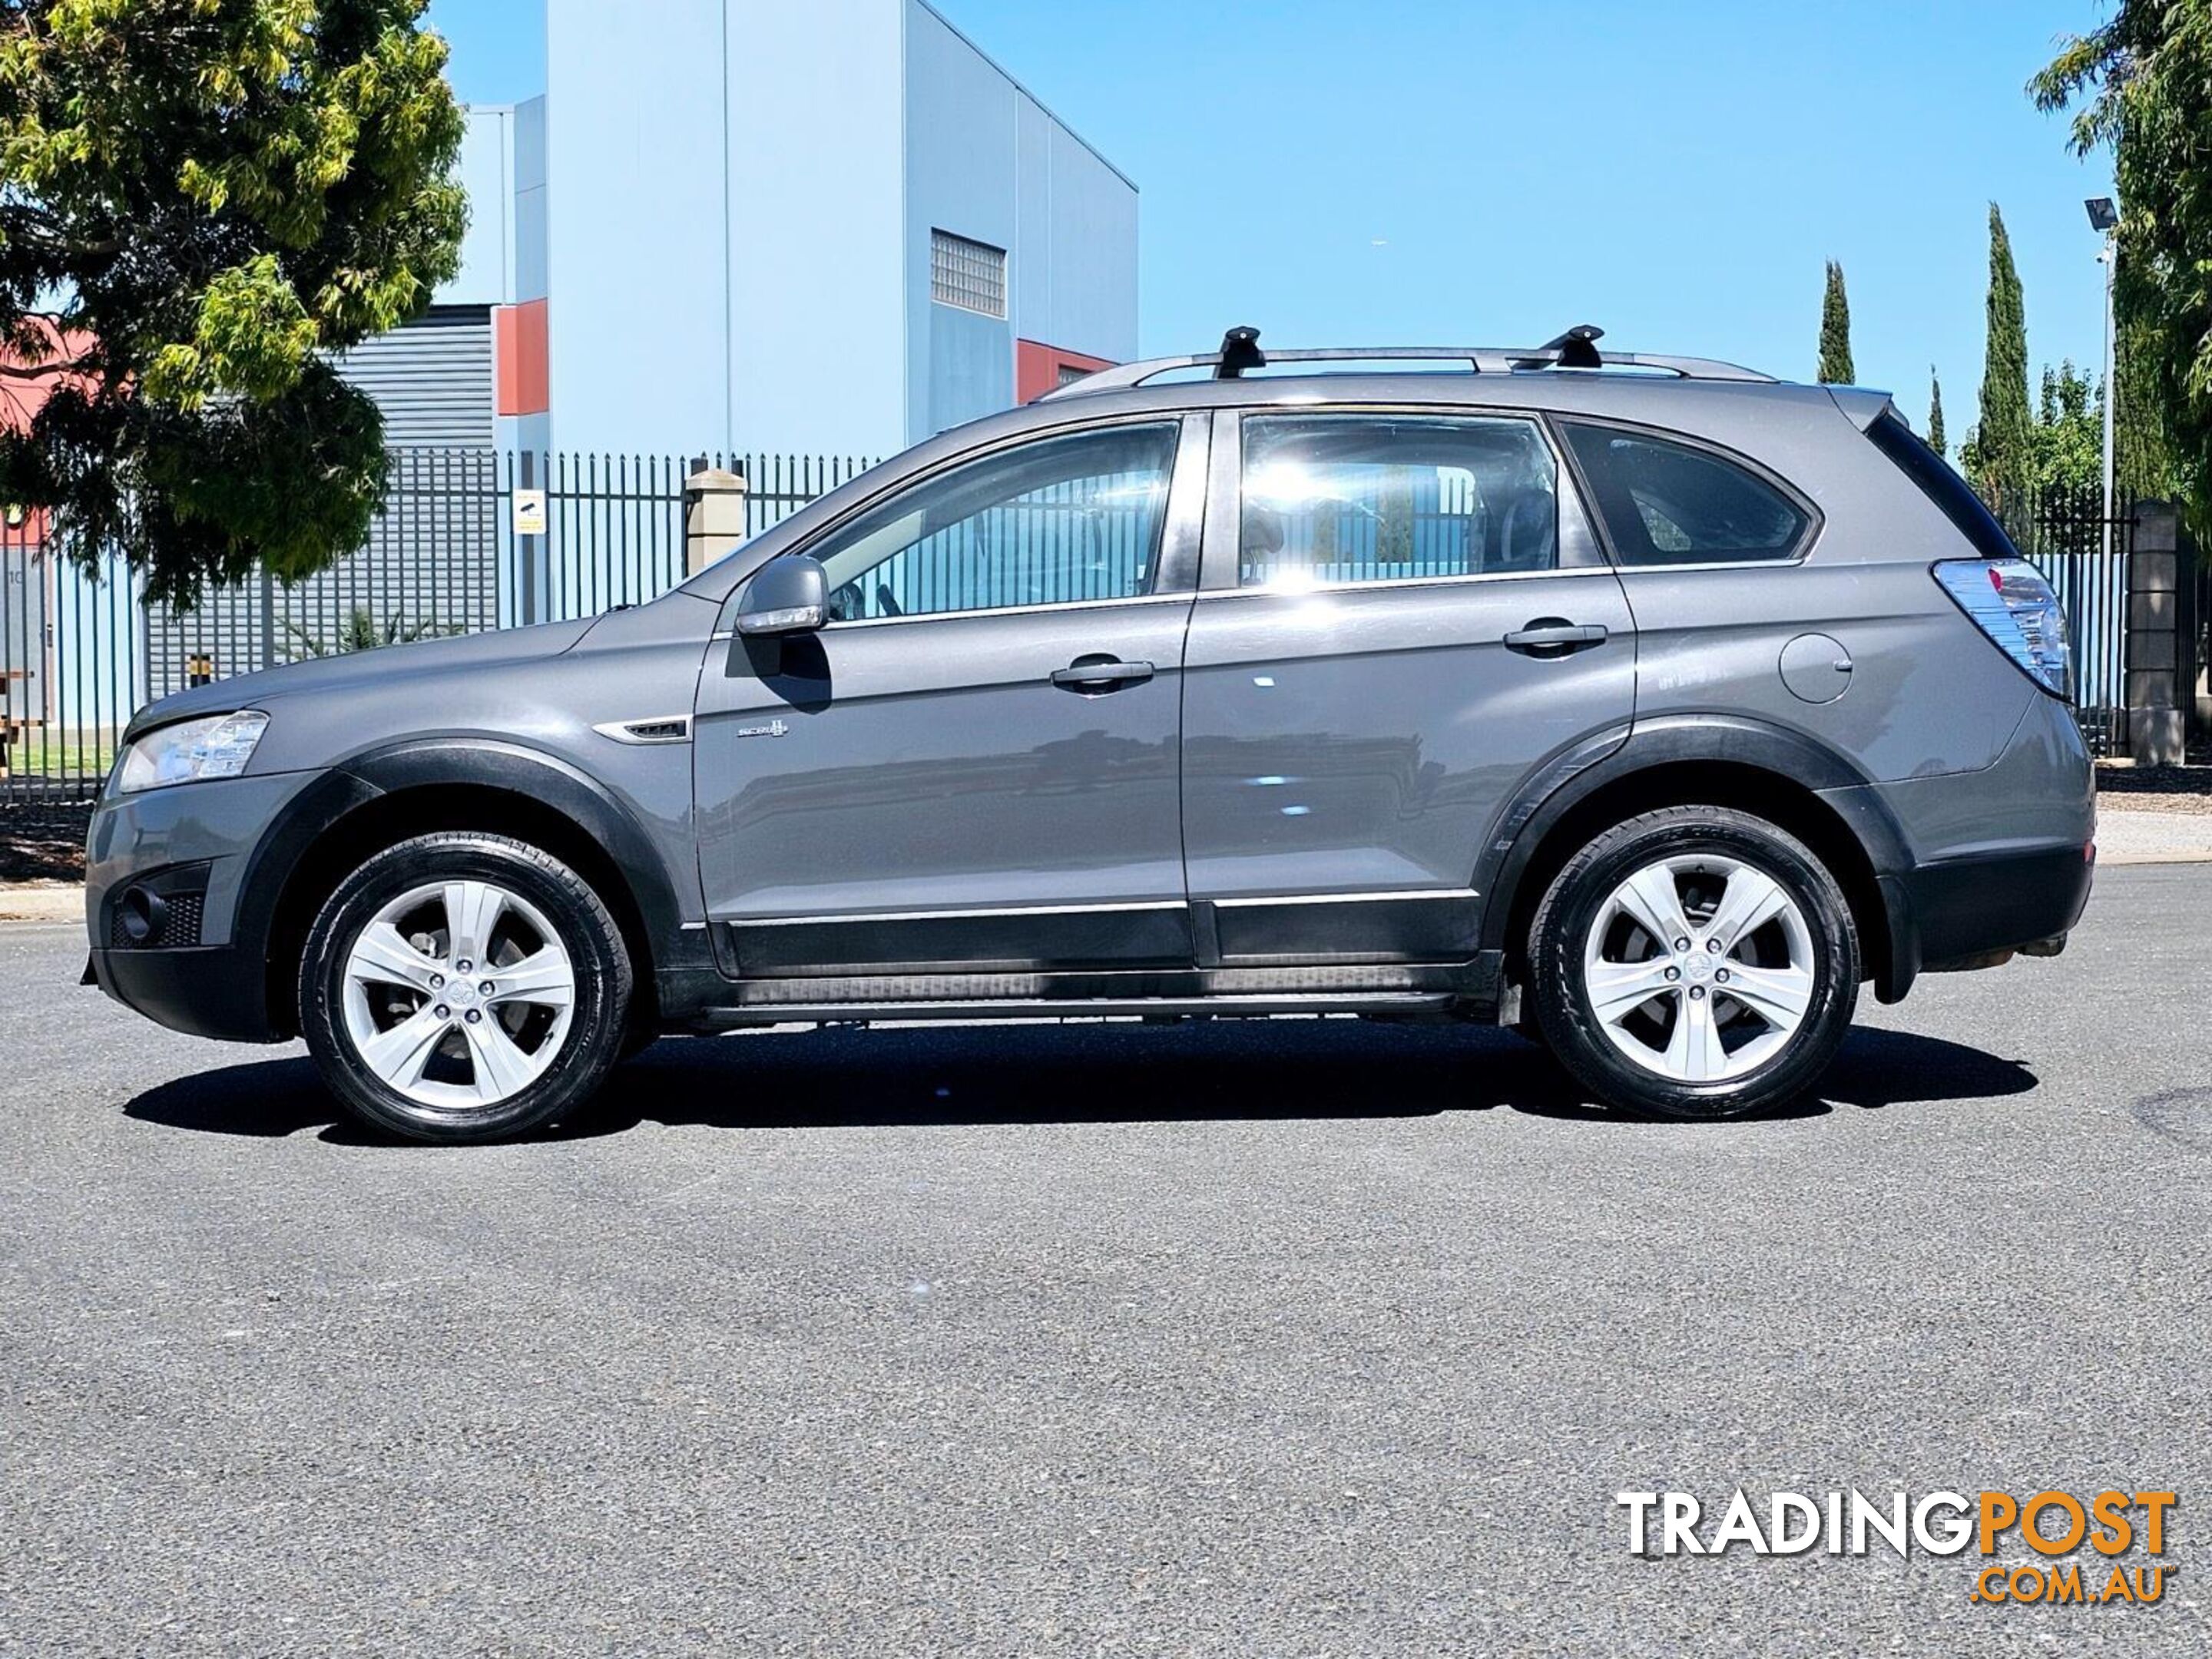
(713, 516)
(2157, 706)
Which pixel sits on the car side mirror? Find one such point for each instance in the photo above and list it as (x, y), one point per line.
(786, 595)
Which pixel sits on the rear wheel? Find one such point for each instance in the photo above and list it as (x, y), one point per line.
(464, 986)
(1696, 961)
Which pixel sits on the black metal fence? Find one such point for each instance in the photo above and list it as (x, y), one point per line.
(468, 540)
(474, 539)
(2085, 555)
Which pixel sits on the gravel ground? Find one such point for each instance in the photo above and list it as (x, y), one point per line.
(2128, 836)
(2157, 788)
(1248, 1340)
(2189, 804)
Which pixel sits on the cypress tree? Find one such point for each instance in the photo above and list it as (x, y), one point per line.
(1936, 413)
(2143, 457)
(1835, 331)
(2001, 455)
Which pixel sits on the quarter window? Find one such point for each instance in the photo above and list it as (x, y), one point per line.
(1055, 521)
(1362, 498)
(1667, 503)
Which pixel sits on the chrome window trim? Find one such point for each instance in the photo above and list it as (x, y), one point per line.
(1629, 572)
(1416, 582)
(1000, 610)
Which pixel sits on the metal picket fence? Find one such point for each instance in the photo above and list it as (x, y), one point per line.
(2085, 556)
(81, 651)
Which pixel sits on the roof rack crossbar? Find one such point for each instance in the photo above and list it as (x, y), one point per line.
(1574, 349)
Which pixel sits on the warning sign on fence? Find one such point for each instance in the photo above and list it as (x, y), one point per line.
(529, 512)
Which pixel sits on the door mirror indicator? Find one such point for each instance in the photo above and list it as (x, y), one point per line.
(787, 596)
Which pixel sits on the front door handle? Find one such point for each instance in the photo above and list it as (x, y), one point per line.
(1095, 676)
(1554, 637)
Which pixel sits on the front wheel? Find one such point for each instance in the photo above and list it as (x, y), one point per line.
(464, 986)
(1696, 962)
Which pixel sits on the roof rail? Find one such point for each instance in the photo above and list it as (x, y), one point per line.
(1576, 349)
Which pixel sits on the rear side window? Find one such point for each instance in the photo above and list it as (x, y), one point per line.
(1942, 486)
(1667, 503)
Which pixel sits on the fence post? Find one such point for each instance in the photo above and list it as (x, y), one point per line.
(2157, 713)
(527, 546)
(713, 516)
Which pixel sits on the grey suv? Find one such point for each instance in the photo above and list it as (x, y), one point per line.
(1646, 704)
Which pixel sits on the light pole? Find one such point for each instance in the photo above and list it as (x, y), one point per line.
(2105, 218)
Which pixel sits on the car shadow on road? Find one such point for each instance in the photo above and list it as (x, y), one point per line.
(1093, 1073)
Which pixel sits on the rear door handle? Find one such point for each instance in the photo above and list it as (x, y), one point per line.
(1095, 676)
(1554, 637)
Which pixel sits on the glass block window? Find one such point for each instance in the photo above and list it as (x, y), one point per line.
(970, 276)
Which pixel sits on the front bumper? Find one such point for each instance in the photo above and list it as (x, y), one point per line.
(213, 991)
(194, 845)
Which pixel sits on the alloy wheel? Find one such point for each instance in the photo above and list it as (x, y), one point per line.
(1699, 967)
(459, 995)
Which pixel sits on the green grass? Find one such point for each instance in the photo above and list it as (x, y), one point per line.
(40, 754)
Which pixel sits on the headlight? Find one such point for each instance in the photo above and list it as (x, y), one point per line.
(216, 747)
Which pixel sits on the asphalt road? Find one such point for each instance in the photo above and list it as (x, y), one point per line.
(1311, 1339)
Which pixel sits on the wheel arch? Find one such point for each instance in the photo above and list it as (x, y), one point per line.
(1784, 776)
(390, 795)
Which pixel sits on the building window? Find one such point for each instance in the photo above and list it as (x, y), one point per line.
(1071, 373)
(970, 275)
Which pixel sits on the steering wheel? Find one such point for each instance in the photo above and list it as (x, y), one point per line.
(885, 605)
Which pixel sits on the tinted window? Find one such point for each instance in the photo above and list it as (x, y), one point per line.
(1051, 522)
(1942, 486)
(1667, 503)
(1352, 498)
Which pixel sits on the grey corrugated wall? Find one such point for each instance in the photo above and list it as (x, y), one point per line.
(433, 378)
(432, 557)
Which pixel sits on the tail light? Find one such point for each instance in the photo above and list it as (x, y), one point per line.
(2009, 601)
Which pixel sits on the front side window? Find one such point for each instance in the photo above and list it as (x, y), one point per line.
(1667, 503)
(1360, 498)
(1053, 522)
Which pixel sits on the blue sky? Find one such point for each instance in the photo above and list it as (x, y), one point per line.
(1429, 172)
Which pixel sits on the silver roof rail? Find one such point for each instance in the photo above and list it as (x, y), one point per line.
(1575, 350)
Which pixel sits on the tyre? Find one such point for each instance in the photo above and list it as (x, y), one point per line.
(464, 986)
(1694, 962)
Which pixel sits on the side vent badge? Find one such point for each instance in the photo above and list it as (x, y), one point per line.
(664, 728)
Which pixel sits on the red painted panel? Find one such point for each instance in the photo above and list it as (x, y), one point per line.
(1037, 367)
(21, 400)
(520, 358)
